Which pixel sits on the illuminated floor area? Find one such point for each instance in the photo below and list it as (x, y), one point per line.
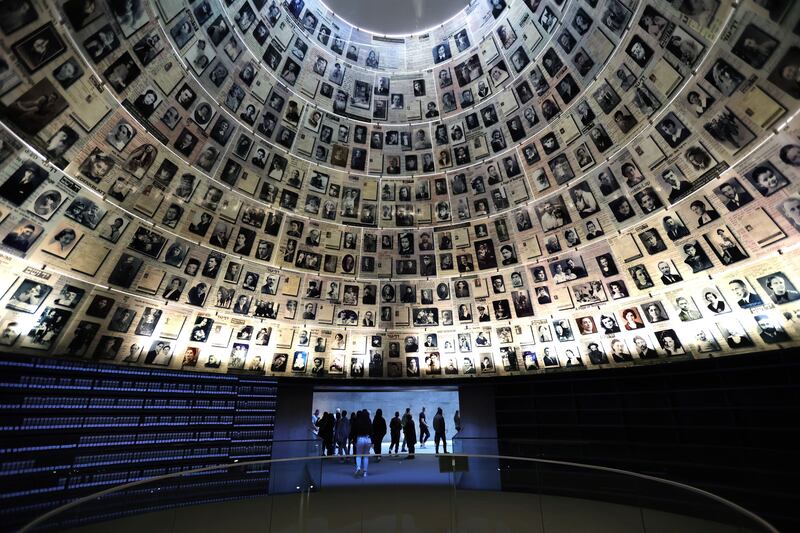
(413, 509)
(390, 470)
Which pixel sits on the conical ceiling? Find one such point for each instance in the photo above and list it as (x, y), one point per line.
(248, 186)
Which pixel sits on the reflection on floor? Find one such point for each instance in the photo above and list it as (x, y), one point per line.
(417, 509)
(394, 470)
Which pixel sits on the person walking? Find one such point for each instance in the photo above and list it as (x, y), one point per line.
(325, 425)
(410, 432)
(439, 432)
(363, 431)
(351, 435)
(403, 429)
(395, 427)
(424, 433)
(342, 434)
(378, 432)
(457, 420)
(337, 418)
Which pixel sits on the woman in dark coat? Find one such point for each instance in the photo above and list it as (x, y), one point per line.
(378, 432)
(410, 433)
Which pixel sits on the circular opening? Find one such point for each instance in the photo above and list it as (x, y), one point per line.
(396, 17)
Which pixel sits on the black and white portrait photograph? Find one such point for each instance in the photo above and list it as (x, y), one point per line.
(725, 245)
(729, 131)
(673, 130)
(724, 78)
(37, 107)
(68, 73)
(39, 48)
(767, 179)
(45, 331)
(779, 289)
(30, 294)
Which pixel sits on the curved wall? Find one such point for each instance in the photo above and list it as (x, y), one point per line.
(258, 187)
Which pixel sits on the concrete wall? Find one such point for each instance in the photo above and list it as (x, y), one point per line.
(293, 438)
(391, 401)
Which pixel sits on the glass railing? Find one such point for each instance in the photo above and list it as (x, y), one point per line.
(452, 492)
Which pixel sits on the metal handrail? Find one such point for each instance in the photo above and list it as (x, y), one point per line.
(719, 499)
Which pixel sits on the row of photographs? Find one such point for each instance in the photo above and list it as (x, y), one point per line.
(694, 236)
(499, 197)
(305, 247)
(151, 279)
(237, 238)
(149, 98)
(554, 224)
(328, 208)
(78, 320)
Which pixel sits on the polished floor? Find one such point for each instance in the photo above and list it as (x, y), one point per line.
(395, 470)
(417, 509)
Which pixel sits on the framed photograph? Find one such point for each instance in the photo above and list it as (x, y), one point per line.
(85, 212)
(101, 44)
(754, 46)
(47, 203)
(18, 187)
(68, 73)
(684, 47)
(122, 73)
(779, 288)
(148, 48)
(9, 78)
(639, 51)
(40, 47)
(790, 209)
(729, 131)
(27, 111)
(767, 179)
(159, 354)
(16, 14)
(9, 333)
(726, 246)
(780, 75)
(44, 333)
(62, 240)
(29, 296)
(131, 16)
(724, 78)
(24, 234)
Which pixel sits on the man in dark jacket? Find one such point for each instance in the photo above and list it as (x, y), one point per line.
(378, 432)
(325, 425)
(439, 433)
(394, 432)
(409, 432)
(424, 432)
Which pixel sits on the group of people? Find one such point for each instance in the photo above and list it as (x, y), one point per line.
(358, 432)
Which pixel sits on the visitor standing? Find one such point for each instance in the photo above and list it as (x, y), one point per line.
(439, 431)
(314, 420)
(363, 432)
(410, 432)
(378, 432)
(325, 425)
(342, 434)
(395, 427)
(424, 433)
(351, 435)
